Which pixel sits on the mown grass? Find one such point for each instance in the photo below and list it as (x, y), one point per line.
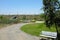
(36, 28)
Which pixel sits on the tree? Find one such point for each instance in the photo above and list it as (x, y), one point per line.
(50, 9)
(24, 17)
(42, 16)
(1, 17)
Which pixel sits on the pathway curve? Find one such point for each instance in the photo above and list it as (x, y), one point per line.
(13, 32)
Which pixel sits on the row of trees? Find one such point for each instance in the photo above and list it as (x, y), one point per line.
(52, 14)
(7, 20)
(15, 19)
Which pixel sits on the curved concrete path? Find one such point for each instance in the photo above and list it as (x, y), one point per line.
(13, 32)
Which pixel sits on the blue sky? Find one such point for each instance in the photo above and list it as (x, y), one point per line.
(21, 6)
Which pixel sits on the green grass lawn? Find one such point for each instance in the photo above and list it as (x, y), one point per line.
(36, 28)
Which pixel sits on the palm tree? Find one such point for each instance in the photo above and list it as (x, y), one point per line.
(50, 10)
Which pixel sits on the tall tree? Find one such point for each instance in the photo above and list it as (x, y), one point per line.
(50, 10)
(1, 18)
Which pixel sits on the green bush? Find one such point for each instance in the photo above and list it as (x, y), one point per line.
(33, 20)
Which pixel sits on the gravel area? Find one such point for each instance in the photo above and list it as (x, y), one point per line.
(13, 32)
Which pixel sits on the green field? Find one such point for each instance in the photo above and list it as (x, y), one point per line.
(35, 29)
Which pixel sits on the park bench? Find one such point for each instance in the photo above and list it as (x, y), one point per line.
(48, 35)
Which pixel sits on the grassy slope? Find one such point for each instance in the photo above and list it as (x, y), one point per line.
(35, 29)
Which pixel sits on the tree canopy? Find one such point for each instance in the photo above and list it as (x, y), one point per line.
(52, 13)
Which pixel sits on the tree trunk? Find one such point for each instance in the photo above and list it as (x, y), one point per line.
(58, 34)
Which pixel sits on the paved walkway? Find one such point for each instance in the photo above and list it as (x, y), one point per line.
(14, 33)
